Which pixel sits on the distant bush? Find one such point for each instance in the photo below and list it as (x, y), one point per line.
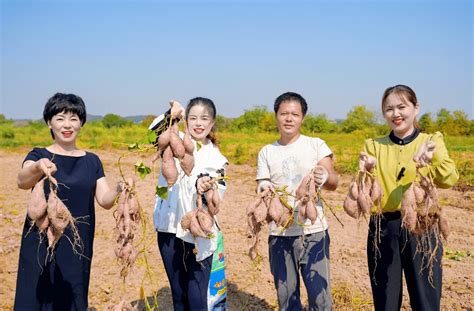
(359, 118)
(256, 119)
(112, 120)
(147, 121)
(7, 133)
(223, 123)
(319, 123)
(4, 120)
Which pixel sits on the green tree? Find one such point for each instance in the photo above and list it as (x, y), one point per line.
(359, 118)
(223, 123)
(462, 123)
(257, 118)
(112, 120)
(4, 120)
(319, 123)
(426, 123)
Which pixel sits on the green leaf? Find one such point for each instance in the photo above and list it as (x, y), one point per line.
(151, 136)
(142, 169)
(198, 145)
(134, 146)
(162, 192)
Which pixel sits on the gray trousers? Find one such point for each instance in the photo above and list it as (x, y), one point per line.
(308, 255)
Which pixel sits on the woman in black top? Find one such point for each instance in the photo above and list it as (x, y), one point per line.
(59, 280)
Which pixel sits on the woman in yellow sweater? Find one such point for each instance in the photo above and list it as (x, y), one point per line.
(396, 250)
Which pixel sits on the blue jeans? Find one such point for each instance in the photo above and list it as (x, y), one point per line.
(308, 255)
(189, 279)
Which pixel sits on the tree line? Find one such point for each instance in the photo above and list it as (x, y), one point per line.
(358, 119)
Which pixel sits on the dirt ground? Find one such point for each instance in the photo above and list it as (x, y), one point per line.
(250, 285)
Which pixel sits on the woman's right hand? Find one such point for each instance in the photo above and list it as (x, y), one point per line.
(204, 184)
(366, 162)
(177, 111)
(46, 166)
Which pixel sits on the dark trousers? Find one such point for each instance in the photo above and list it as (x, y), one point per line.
(397, 252)
(189, 279)
(307, 255)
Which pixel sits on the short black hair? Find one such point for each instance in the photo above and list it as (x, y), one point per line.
(64, 103)
(291, 96)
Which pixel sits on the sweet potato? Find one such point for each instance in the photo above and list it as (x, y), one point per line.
(177, 146)
(195, 228)
(375, 192)
(168, 168)
(354, 190)
(188, 144)
(443, 225)
(164, 139)
(285, 218)
(260, 212)
(37, 205)
(63, 217)
(302, 188)
(187, 163)
(53, 237)
(311, 212)
(275, 209)
(205, 221)
(252, 206)
(419, 194)
(351, 207)
(302, 209)
(212, 202)
(408, 209)
(364, 202)
(312, 188)
(42, 223)
(186, 221)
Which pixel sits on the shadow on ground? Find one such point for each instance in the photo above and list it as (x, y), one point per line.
(236, 300)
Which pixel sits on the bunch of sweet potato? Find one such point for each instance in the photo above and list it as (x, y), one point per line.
(270, 205)
(127, 217)
(308, 195)
(364, 192)
(52, 216)
(171, 146)
(201, 220)
(420, 209)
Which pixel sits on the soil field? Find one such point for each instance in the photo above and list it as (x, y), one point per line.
(250, 285)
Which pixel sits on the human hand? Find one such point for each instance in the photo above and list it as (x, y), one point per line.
(366, 162)
(177, 111)
(320, 175)
(204, 183)
(121, 185)
(425, 154)
(263, 185)
(46, 166)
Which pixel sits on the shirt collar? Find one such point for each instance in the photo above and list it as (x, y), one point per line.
(406, 140)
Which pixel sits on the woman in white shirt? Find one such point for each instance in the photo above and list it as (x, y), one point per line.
(188, 259)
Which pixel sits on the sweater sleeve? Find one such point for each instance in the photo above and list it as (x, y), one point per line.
(443, 169)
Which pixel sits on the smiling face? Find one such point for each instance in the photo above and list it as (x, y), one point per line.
(400, 114)
(289, 119)
(200, 122)
(65, 127)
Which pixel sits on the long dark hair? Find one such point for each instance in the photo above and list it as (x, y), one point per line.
(211, 108)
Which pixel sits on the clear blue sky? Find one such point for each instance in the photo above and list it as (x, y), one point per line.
(131, 57)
